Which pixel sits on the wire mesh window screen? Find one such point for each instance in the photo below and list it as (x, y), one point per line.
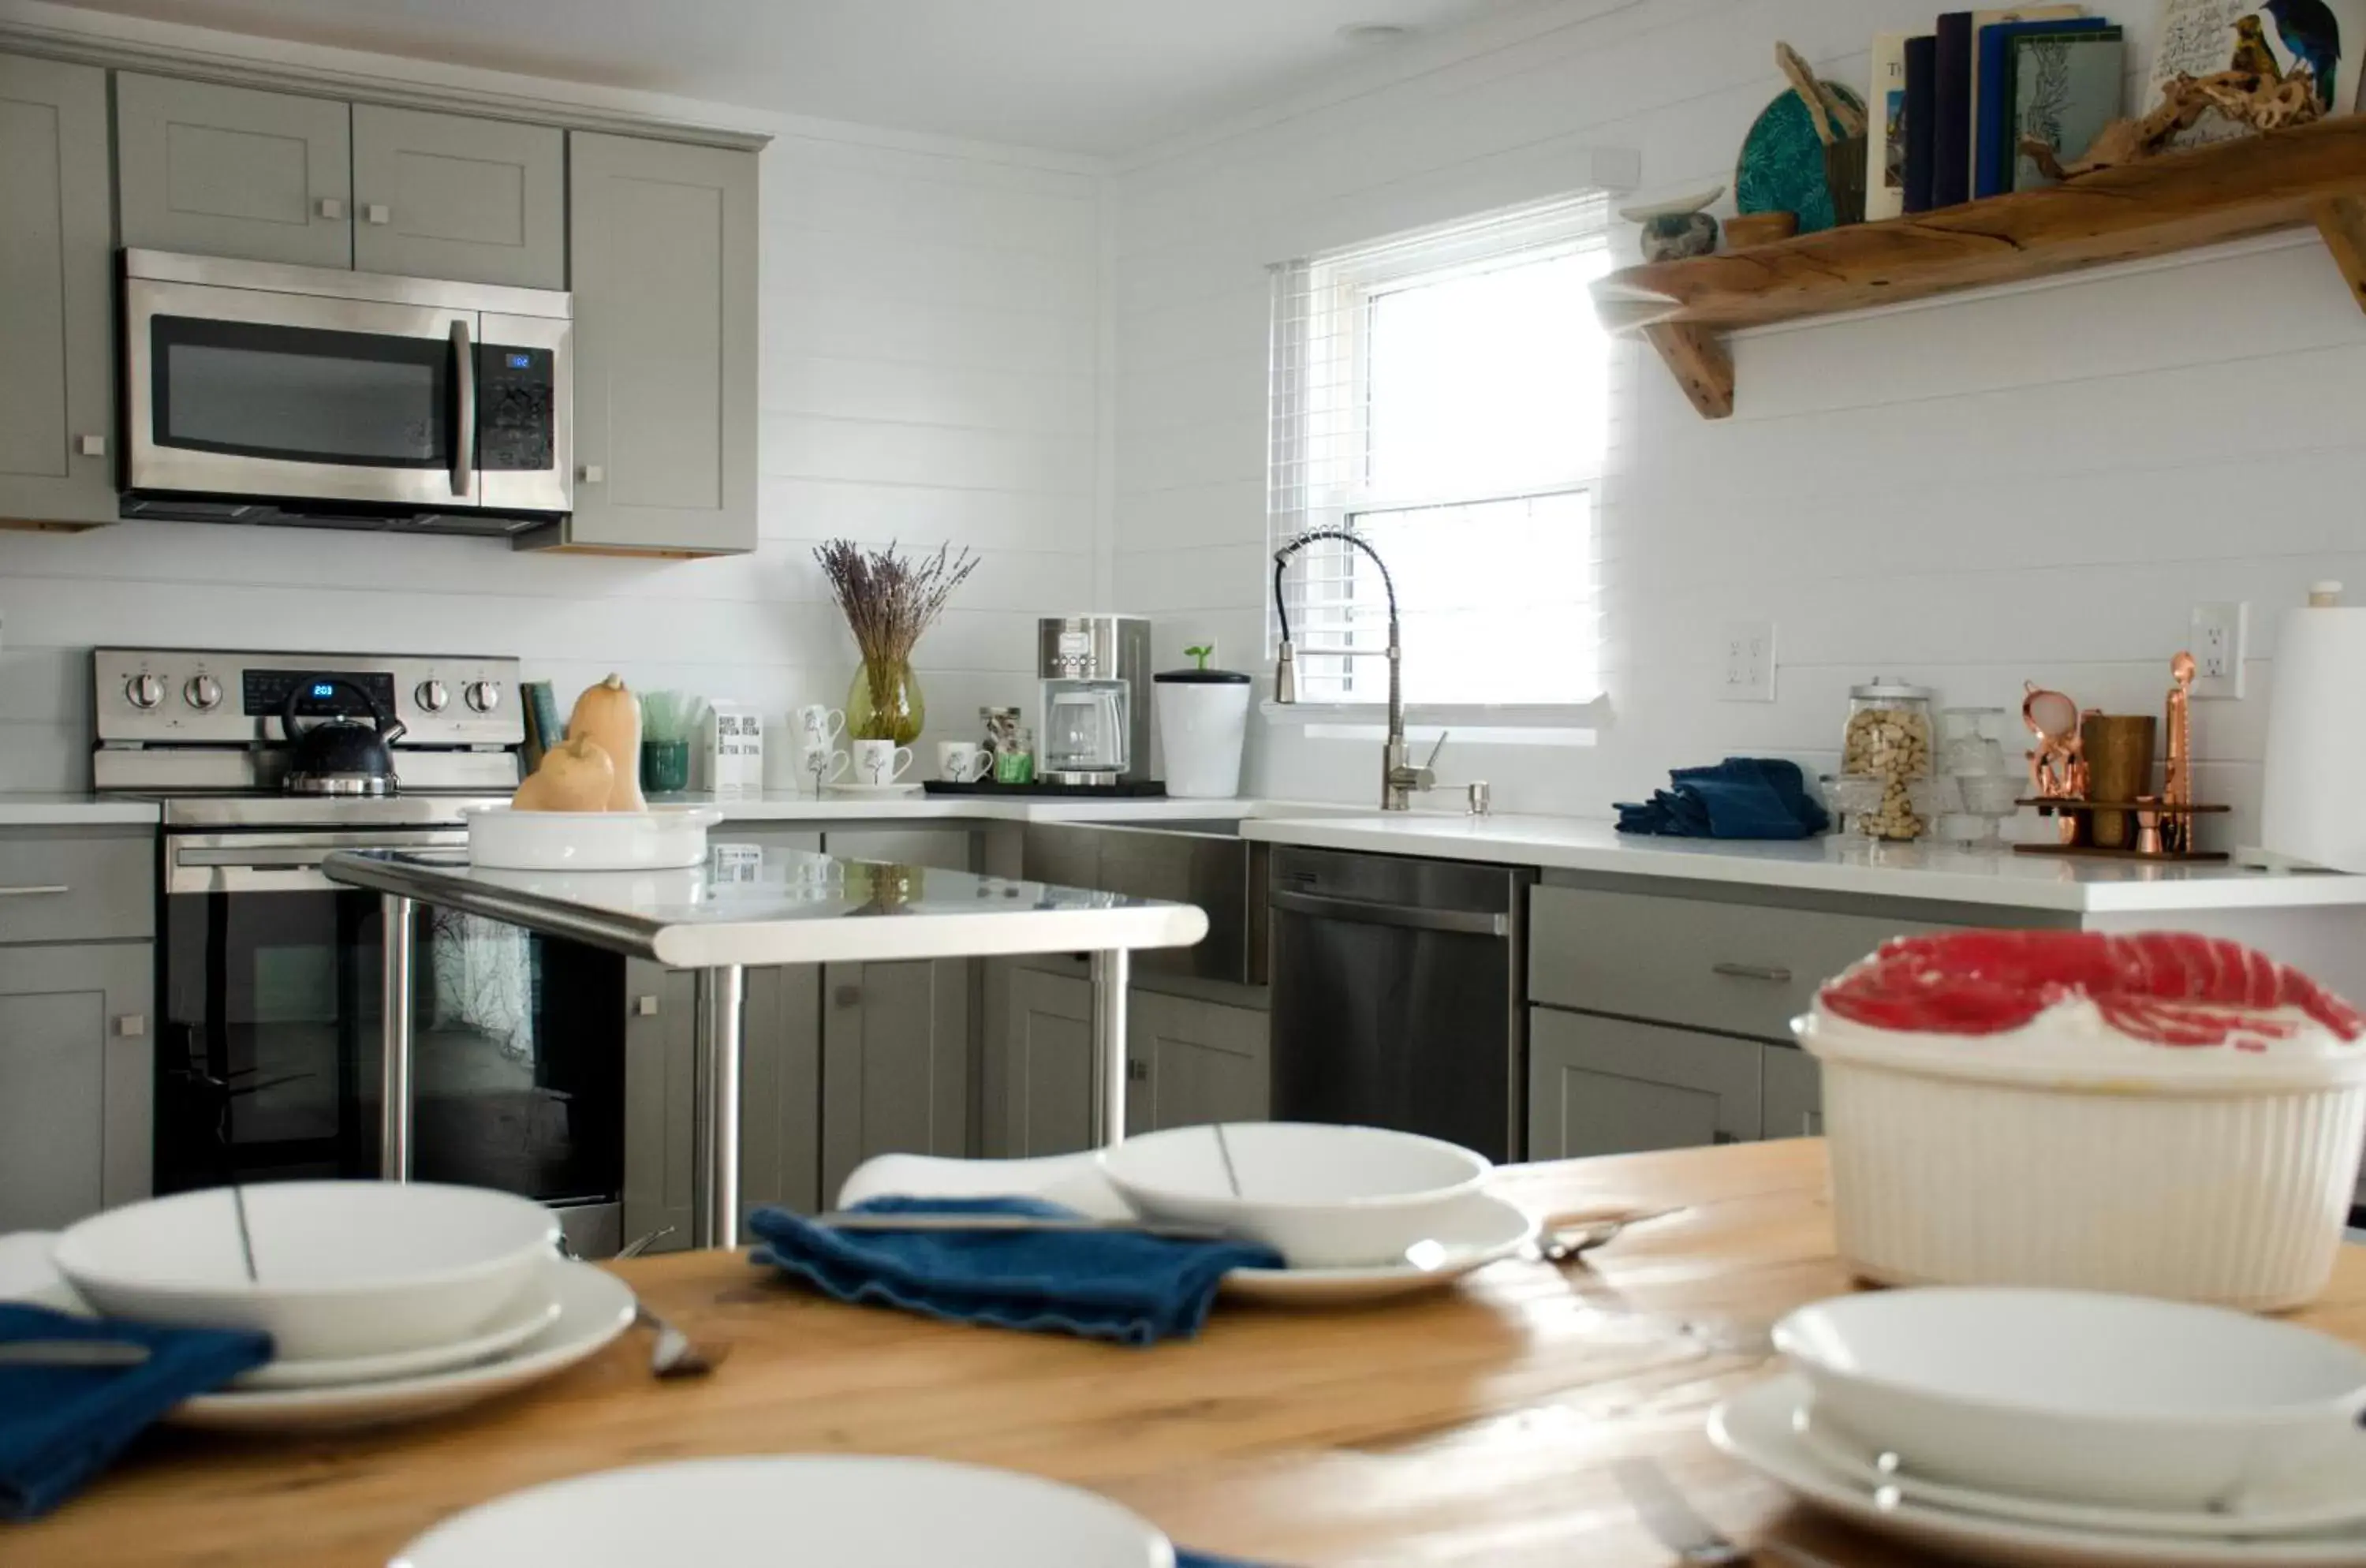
(1448, 395)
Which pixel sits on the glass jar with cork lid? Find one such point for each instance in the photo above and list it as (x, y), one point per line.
(1888, 744)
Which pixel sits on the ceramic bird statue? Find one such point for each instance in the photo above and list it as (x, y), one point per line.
(2251, 50)
(2310, 32)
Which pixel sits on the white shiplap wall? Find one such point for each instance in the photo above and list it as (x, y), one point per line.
(929, 373)
(2032, 483)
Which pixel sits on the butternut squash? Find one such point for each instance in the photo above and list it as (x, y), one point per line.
(609, 715)
(575, 775)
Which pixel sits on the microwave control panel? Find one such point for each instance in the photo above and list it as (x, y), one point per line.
(517, 407)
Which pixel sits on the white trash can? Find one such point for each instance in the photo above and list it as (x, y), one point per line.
(1203, 722)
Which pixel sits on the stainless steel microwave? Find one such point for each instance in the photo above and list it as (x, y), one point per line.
(261, 393)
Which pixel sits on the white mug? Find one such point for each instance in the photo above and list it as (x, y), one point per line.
(817, 723)
(824, 765)
(878, 763)
(962, 762)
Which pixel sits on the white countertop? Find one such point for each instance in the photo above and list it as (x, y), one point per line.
(31, 810)
(787, 805)
(1831, 864)
(772, 905)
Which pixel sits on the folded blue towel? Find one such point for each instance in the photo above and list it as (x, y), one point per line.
(61, 1426)
(1116, 1285)
(1741, 797)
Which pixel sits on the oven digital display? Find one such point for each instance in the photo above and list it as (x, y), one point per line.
(318, 695)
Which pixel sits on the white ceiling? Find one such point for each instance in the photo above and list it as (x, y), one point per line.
(1094, 76)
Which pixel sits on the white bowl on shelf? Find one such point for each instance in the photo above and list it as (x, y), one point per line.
(662, 838)
(2078, 1395)
(1324, 1197)
(343, 1268)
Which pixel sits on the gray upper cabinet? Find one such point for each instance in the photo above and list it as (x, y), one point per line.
(76, 1081)
(447, 195)
(1191, 1062)
(662, 248)
(56, 362)
(1607, 1086)
(231, 172)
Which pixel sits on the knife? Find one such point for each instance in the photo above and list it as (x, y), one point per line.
(73, 1353)
(1046, 1224)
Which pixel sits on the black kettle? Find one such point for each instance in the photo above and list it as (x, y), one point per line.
(340, 755)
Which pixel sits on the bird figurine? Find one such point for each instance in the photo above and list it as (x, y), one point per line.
(2251, 50)
(2314, 38)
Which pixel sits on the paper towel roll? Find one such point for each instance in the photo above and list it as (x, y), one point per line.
(2314, 807)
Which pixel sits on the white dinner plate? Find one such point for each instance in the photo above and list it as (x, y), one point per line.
(1479, 1230)
(1485, 1228)
(1754, 1427)
(845, 1511)
(527, 1317)
(594, 1306)
(2331, 1496)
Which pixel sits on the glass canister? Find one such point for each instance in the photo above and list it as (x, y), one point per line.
(1887, 742)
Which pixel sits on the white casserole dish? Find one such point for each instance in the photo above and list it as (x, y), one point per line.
(662, 838)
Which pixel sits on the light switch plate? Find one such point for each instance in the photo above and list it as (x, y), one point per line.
(2217, 633)
(1745, 654)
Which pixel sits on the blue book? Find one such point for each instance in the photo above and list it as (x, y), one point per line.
(1922, 71)
(1992, 124)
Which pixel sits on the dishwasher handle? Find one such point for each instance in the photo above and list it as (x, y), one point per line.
(1363, 911)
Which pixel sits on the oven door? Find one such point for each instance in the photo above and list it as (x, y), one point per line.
(246, 392)
(270, 1063)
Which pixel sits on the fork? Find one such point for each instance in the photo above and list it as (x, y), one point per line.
(1678, 1525)
(675, 1354)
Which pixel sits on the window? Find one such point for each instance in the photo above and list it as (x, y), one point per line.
(1445, 395)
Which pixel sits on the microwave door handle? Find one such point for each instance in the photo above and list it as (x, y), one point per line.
(464, 414)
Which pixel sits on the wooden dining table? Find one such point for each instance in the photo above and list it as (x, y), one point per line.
(1474, 1425)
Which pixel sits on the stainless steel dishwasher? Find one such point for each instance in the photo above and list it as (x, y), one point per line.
(1398, 989)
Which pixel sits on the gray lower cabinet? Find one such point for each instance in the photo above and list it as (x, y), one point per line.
(57, 376)
(894, 1066)
(660, 1081)
(780, 1089)
(1044, 1064)
(661, 242)
(224, 171)
(1602, 1086)
(1190, 1061)
(1792, 1084)
(450, 196)
(76, 1080)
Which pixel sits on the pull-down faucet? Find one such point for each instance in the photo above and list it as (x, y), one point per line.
(1399, 777)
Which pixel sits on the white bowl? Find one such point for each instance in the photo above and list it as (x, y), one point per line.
(343, 1268)
(1323, 1196)
(2078, 1395)
(660, 837)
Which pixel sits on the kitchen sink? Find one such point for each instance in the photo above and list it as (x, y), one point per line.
(1186, 860)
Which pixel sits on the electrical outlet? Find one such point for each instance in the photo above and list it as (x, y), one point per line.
(2216, 637)
(1746, 663)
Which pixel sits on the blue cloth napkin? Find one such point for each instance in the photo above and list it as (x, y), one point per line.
(61, 1426)
(1136, 1289)
(1741, 797)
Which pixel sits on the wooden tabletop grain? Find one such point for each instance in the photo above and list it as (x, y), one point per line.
(1470, 1426)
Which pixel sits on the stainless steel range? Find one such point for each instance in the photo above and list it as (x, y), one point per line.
(267, 1063)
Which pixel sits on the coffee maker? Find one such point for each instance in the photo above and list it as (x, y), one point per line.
(1095, 723)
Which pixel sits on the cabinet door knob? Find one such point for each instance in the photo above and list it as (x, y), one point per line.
(132, 1025)
(1137, 1072)
(592, 474)
(847, 997)
(91, 445)
(1811, 1123)
(645, 1007)
(377, 212)
(331, 207)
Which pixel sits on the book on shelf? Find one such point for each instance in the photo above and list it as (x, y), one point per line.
(1951, 112)
(2066, 88)
(1993, 116)
(2198, 38)
(1885, 142)
(1981, 22)
(1921, 74)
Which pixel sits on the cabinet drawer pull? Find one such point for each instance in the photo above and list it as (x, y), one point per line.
(331, 207)
(34, 890)
(1773, 973)
(91, 445)
(132, 1025)
(645, 1007)
(377, 212)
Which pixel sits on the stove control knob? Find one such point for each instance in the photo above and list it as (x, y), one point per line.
(145, 691)
(433, 696)
(484, 695)
(202, 693)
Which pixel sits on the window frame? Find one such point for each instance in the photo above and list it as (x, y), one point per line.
(1345, 287)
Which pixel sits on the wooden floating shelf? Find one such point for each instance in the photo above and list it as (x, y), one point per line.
(2282, 179)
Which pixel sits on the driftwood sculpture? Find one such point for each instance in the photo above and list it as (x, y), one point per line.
(2257, 99)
